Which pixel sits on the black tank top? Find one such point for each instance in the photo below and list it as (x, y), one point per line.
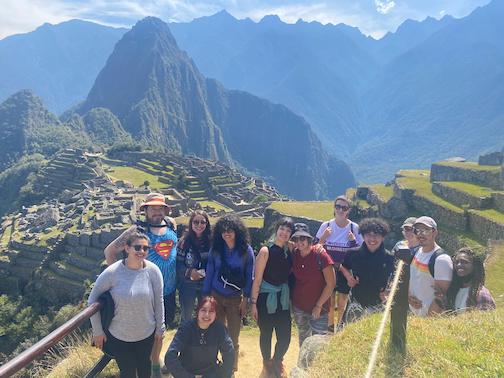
(278, 267)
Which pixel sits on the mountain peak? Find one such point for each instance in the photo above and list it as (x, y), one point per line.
(271, 19)
(224, 15)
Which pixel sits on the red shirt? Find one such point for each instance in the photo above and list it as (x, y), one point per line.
(310, 281)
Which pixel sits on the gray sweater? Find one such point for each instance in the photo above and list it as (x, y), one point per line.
(138, 299)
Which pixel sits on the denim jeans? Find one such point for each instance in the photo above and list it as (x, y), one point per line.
(307, 326)
(188, 293)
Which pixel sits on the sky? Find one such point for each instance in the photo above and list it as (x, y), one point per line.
(372, 17)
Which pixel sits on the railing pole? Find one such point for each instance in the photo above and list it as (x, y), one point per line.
(23, 359)
(100, 365)
(399, 313)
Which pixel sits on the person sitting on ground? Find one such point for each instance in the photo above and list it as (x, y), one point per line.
(431, 269)
(372, 267)
(194, 349)
(192, 257)
(467, 290)
(314, 276)
(229, 274)
(338, 236)
(270, 298)
(136, 286)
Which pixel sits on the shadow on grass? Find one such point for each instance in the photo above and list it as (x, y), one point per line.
(396, 361)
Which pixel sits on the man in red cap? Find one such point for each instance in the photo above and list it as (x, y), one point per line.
(161, 231)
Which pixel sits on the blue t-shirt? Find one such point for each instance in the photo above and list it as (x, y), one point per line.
(163, 253)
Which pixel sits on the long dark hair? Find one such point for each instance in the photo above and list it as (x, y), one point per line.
(242, 237)
(477, 280)
(190, 236)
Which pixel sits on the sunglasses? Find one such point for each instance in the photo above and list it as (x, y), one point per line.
(422, 231)
(227, 230)
(138, 247)
(198, 222)
(341, 207)
(407, 228)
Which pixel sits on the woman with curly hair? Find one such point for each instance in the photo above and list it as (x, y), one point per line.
(467, 290)
(229, 274)
(192, 257)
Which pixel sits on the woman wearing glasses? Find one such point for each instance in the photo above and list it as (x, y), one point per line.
(192, 257)
(194, 350)
(314, 274)
(136, 286)
(229, 274)
(338, 236)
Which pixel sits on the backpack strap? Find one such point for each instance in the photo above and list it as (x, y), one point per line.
(432, 260)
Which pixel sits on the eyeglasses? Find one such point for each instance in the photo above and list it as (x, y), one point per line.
(139, 247)
(422, 231)
(407, 229)
(198, 222)
(341, 207)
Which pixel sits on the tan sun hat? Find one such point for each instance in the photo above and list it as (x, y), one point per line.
(154, 199)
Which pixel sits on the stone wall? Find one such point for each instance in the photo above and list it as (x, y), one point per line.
(271, 216)
(485, 228)
(491, 179)
(460, 198)
(493, 158)
(498, 200)
(442, 215)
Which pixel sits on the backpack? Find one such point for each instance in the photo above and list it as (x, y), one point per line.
(432, 261)
(144, 226)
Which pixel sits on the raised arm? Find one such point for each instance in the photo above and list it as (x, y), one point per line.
(117, 245)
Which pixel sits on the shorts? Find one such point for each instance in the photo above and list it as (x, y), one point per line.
(341, 283)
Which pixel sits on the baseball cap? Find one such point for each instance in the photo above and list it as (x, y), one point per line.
(427, 221)
(409, 222)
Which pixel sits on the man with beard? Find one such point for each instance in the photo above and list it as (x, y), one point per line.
(430, 271)
(161, 231)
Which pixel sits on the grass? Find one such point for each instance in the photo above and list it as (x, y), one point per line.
(418, 180)
(471, 189)
(215, 205)
(385, 192)
(494, 268)
(491, 214)
(471, 165)
(253, 222)
(319, 210)
(134, 176)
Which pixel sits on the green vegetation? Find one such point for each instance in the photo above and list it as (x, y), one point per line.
(471, 189)
(134, 175)
(215, 205)
(384, 192)
(470, 165)
(494, 268)
(253, 222)
(319, 210)
(491, 214)
(418, 180)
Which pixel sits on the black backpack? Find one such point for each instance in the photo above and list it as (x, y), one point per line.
(432, 261)
(144, 226)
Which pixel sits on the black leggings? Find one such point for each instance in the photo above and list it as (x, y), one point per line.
(132, 357)
(280, 321)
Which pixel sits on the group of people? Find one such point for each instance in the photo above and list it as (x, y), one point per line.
(294, 275)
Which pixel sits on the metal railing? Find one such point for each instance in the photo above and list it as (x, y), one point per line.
(25, 358)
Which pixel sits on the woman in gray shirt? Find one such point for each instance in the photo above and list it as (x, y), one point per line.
(136, 286)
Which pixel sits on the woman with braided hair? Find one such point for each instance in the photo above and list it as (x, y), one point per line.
(467, 290)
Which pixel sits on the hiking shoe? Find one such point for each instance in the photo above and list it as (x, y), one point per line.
(330, 329)
(279, 369)
(268, 371)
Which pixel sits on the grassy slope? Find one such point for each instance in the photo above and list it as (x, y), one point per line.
(135, 176)
(471, 165)
(471, 189)
(468, 345)
(320, 210)
(385, 192)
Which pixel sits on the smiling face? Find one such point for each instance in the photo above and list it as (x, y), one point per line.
(373, 241)
(302, 243)
(229, 236)
(283, 235)
(341, 210)
(138, 250)
(155, 214)
(463, 264)
(426, 236)
(206, 315)
(199, 224)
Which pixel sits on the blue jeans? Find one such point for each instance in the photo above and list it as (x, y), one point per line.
(188, 293)
(307, 326)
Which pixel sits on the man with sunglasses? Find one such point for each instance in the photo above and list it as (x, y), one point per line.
(427, 275)
(338, 236)
(161, 231)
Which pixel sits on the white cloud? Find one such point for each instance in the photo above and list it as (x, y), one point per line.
(384, 7)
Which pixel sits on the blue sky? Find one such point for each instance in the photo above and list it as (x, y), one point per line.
(373, 17)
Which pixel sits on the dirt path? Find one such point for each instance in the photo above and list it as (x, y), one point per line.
(250, 363)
